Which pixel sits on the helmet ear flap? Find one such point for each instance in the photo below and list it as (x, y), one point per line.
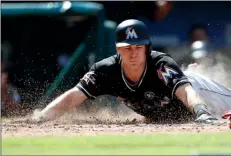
(149, 48)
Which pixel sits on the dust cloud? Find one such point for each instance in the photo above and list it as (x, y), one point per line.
(102, 110)
(217, 68)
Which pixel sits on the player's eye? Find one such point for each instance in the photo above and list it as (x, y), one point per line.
(128, 47)
(139, 46)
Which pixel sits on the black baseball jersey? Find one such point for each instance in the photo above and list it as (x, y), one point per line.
(155, 90)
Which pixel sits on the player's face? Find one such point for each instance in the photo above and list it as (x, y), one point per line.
(133, 56)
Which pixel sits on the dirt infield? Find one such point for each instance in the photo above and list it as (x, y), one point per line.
(101, 123)
(21, 129)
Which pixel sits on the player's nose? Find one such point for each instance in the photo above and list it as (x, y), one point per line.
(134, 52)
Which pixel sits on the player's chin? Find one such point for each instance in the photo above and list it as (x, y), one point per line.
(134, 66)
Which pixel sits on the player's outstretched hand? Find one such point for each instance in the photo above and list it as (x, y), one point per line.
(37, 116)
(206, 119)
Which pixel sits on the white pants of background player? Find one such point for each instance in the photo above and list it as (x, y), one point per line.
(214, 94)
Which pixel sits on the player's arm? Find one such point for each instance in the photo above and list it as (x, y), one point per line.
(66, 101)
(180, 87)
(188, 96)
(89, 87)
(195, 104)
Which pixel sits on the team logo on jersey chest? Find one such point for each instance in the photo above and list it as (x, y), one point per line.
(165, 73)
(149, 95)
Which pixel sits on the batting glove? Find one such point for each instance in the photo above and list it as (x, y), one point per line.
(203, 115)
(206, 118)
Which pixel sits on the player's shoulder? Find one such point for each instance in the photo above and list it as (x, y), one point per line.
(107, 64)
(156, 56)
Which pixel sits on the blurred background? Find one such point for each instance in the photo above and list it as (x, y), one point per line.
(46, 47)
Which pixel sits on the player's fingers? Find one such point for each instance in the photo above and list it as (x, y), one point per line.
(36, 116)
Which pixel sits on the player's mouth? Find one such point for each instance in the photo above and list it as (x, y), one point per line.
(133, 63)
(133, 60)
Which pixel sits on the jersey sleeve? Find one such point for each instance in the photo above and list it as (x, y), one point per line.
(170, 74)
(91, 84)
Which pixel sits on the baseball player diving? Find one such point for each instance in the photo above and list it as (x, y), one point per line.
(148, 82)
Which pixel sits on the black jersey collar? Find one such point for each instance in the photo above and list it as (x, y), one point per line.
(140, 81)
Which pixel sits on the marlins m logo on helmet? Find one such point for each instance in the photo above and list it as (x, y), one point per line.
(131, 33)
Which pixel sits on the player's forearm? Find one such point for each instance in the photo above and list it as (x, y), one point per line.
(68, 100)
(189, 97)
(57, 107)
(193, 98)
(194, 102)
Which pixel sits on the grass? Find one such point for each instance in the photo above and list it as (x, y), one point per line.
(170, 144)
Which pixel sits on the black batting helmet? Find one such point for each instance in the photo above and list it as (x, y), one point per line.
(132, 32)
